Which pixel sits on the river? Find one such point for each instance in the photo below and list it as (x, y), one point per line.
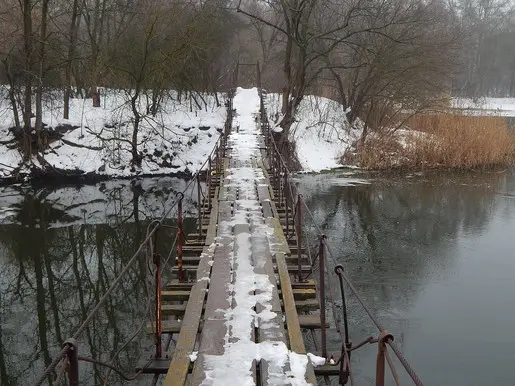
(431, 254)
(60, 249)
(433, 257)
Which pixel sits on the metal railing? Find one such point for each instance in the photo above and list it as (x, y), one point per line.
(297, 214)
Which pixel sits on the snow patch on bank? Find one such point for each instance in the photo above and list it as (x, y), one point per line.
(175, 140)
(486, 106)
(321, 131)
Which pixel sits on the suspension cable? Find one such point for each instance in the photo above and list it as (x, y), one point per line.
(395, 349)
(66, 348)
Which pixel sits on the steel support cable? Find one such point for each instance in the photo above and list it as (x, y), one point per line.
(64, 351)
(395, 349)
(312, 261)
(170, 253)
(392, 367)
(405, 363)
(62, 371)
(51, 367)
(126, 343)
(147, 310)
(131, 377)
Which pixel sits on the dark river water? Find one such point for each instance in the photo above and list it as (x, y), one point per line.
(432, 255)
(60, 249)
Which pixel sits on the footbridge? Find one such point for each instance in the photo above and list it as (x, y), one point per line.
(245, 291)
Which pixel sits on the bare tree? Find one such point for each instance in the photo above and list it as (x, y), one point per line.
(72, 41)
(26, 7)
(380, 53)
(41, 72)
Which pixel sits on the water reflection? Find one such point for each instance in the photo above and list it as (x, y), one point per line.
(414, 244)
(59, 252)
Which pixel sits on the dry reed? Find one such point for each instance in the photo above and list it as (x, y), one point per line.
(442, 140)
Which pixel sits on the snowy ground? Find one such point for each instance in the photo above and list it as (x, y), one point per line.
(321, 132)
(179, 140)
(486, 106)
(175, 140)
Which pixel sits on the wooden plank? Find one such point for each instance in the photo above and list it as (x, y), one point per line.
(307, 305)
(291, 260)
(156, 366)
(311, 322)
(278, 238)
(240, 229)
(173, 309)
(178, 371)
(304, 293)
(168, 326)
(327, 370)
(213, 221)
(272, 204)
(267, 209)
(224, 213)
(263, 192)
(192, 269)
(161, 366)
(292, 320)
(181, 286)
(305, 321)
(273, 330)
(212, 339)
(175, 295)
(266, 165)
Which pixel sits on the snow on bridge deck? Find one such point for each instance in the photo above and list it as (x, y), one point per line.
(244, 337)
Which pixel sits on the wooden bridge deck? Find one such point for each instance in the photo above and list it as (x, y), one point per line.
(239, 317)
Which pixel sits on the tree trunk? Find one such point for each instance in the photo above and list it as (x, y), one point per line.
(41, 74)
(27, 45)
(12, 95)
(97, 36)
(4, 377)
(95, 94)
(71, 59)
(341, 91)
(136, 159)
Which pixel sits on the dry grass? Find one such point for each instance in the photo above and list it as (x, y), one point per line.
(447, 140)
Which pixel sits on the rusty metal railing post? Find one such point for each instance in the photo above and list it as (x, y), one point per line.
(286, 205)
(157, 263)
(180, 238)
(273, 153)
(200, 207)
(384, 336)
(339, 270)
(217, 159)
(209, 166)
(321, 260)
(258, 76)
(73, 361)
(299, 235)
(279, 185)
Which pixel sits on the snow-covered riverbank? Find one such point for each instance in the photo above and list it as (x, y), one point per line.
(176, 140)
